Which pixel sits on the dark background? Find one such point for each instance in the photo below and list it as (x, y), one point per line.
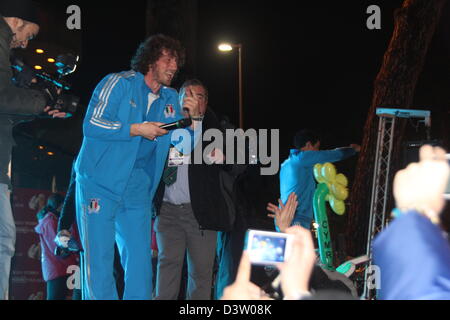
(305, 64)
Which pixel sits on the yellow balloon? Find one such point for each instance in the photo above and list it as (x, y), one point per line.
(318, 173)
(342, 179)
(340, 192)
(329, 171)
(338, 206)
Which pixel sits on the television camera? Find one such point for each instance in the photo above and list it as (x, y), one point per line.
(54, 86)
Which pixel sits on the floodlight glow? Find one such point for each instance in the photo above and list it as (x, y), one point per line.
(225, 47)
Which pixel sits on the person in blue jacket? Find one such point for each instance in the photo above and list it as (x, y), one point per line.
(413, 252)
(120, 165)
(296, 174)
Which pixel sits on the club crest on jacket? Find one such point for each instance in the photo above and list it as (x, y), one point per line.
(94, 206)
(169, 111)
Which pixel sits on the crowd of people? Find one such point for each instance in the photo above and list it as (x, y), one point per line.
(130, 170)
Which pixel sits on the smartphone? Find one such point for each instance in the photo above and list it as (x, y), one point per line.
(447, 191)
(268, 248)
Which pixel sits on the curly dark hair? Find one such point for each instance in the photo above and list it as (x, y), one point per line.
(151, 50)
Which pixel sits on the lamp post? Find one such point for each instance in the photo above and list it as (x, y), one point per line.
(226, 47)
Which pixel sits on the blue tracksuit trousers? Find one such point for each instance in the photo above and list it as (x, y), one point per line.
(103, 221)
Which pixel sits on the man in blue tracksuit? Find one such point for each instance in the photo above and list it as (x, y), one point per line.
(120, 165)
(297, 175)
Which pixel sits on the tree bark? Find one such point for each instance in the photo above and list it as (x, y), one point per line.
(415, 25)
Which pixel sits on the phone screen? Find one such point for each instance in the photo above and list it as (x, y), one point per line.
(267, 249)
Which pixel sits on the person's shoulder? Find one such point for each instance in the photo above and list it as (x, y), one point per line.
(291, 159)
(125, 77)
(415, 220)
(314, 153)
(128, 76)
(299, 154)
(170, 92)
(408, 225)
(50, 217)
(46, 220)
(306, 158)
(285, 164)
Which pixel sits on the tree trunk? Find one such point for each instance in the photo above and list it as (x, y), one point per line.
(415, 25)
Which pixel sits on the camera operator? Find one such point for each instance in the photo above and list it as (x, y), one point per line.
(18, 25)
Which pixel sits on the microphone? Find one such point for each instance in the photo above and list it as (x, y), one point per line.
(180, 124)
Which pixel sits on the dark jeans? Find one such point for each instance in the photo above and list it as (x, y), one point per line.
(57, 289)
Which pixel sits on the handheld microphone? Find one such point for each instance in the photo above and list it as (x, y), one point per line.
(180, 124)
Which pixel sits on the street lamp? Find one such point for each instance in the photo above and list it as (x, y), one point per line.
(227, 47)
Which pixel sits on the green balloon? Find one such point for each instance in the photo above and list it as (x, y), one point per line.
(332, 187)
(323, 231)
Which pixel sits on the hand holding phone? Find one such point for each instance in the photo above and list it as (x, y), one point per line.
(296, 272)
(268, 248)
(242, 288)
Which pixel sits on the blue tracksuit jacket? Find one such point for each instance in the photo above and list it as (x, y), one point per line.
(296, 175)
(117, 176)
(108, 153)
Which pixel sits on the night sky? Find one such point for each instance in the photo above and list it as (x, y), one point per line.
(306, 64)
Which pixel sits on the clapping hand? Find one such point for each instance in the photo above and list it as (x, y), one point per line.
(284, 214)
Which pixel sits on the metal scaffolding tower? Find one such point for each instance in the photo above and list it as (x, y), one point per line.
(381, 179)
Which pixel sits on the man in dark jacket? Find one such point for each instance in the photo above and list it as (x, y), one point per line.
(191, 210)
(18, 25)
